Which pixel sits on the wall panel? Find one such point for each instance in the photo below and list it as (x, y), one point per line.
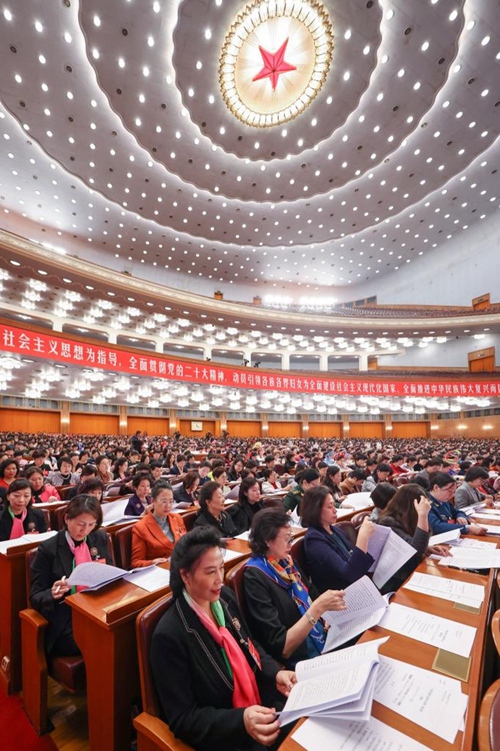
(284, 429)
(244, 428)
(93, 424)
(325, 429)
(410, 430)
(150, 425)
(366, 430)
(208, 426)
(30, 421)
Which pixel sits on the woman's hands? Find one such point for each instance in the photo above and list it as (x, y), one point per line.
(475, 529)
(422, 507)
(285, 680)
(332, 599)
(60, 588)
(441, 550)
(261, 723)
(366, 530)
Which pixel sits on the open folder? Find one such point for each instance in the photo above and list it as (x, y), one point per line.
(338, 685)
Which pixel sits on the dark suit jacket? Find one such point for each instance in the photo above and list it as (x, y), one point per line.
(332, 560)
(243, 513)
(226, 525)
(182, 496)
(193, 682)
(54, 560)
(149, 542)
(270, 612)
(34, 522)
(134, 506)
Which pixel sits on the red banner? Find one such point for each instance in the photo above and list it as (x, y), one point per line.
(58, 349)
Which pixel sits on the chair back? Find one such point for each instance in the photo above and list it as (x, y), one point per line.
(189, 519)
(122, 540)
(272, 501)
(63, 491)
(145, 624)
(357, 519)
(234, 579)
(298, 554)
(60, 513)
(495, 624)
(46, 517)
(488, 729)
(30, 557)
(349, 529)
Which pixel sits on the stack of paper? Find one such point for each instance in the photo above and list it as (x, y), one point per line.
(95, 575)
(455, 590)
(365, 607)
(317, 734)
(114, 512)
(339, 685)
(25, 539)
(390, 553)
(472, 558)
(441, 633)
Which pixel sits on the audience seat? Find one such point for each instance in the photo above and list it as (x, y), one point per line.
(68, 671)
(495, 624)
(273, 501)
(488, 729)
(189, 519)
(234, 579)
(153, 734)
(122, 543)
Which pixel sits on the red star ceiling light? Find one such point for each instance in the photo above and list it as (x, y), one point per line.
(275, 59)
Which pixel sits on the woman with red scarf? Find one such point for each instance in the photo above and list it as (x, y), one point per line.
(217, 688)
(80, 542)
(19, 517)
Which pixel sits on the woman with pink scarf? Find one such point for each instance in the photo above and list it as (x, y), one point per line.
(80, 541)
(19, 517)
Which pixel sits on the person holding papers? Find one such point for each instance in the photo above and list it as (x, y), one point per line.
(468, 492)
(155, 534)
(81, 541)
(19, 517)
(217, 688)
(407, 514)
(283, 607)
(444, 517)
(332, 559)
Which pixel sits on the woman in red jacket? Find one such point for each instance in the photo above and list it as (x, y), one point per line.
(155, 534)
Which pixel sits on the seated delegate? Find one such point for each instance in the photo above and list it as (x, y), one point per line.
(140, 500)
(248, 504)
(41, 491)
(333, 561)
(283, 607)
(212, 512)
(155, 534)
(469, 491)
(443, 516)
(80, 541)
(19, 517)
(218, 689)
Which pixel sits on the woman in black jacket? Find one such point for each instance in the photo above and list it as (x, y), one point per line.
(217, 688)
(248, 504)
(19, 517)
(212, 510)
(81, 541)
(283, 607)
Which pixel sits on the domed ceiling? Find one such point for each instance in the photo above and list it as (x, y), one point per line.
(119, 146)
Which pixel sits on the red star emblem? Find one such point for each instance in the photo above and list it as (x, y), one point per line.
(274, 65)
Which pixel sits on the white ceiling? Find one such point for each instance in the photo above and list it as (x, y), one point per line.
(119, 149)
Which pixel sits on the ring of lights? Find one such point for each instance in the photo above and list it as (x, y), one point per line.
(260, 87)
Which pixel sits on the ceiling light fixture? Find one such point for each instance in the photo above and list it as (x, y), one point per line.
(275, 60)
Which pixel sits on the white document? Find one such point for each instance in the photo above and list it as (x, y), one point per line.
(242, 536)
(318, 734)
(447, 589)
(25, 539)
(390, 553)
(491, 529)
(337, 679)
(493, 512)
(231, 555)
(433, 701)
(365, 607)
(341, 633)
(94, 575)
(453, 534)
(441, 633)
(472, 558)
(468, 542)
(114, 512)
(149, 578)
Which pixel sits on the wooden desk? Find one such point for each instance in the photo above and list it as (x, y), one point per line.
(104, 629)
(422, 655)
(12, 600)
